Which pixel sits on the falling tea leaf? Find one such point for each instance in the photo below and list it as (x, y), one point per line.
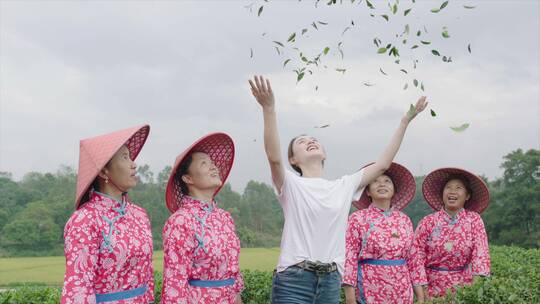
(291, 37)
(326, 50)
(461, 128)
(285, 62)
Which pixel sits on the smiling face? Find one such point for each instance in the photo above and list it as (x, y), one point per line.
(382, 188)
(455, 194)
(202, 173)
(121, 170)
(304, 149)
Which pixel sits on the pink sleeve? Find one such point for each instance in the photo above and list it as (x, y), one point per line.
(352, 245)
(151, 268)
(417, 260)
(409, 256)
(239, 280)
(81, 248)
(238, 283)
(480, 261)
(177, 255)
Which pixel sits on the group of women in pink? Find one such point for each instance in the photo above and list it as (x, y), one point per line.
(374, 253)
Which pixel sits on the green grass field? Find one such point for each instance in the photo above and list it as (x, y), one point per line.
(50, 270)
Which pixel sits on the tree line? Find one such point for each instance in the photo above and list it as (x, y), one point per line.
(34, 210)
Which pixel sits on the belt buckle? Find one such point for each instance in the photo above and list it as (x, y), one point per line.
(320, 268)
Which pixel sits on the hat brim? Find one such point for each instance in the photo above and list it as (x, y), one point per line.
(219, 147)
(91, 164)
(404, 188)
(433, 185)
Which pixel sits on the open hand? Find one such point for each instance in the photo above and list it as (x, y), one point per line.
(421, 104)
(262, 91)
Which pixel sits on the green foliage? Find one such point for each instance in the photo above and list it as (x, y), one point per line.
(513, 218)
(31, 295)
(515, 279)
(258, 286)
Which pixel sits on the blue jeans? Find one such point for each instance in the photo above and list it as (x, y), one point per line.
(295, 285)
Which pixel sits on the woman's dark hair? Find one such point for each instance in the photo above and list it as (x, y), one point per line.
(95, 183)
(182, 170)
(463, 179)
(290, 154)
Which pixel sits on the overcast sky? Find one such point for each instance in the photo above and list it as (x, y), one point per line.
(76, 69)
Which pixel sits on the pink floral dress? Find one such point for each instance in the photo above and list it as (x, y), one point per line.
(448, 251)
(378, 244)
(108, 249)
(201, 252)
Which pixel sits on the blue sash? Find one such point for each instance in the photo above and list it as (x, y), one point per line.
(213, 283)
(448, 269)
(121, 295)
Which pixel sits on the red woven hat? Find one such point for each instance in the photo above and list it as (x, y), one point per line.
(433, 185)
(404, 188)
(97, 151)
(219, 147)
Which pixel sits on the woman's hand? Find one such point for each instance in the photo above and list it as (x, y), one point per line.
(350, 297)
(262, 91)
(421, 104)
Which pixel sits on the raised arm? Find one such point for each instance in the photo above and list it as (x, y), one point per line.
(262, 91)
(385, 159)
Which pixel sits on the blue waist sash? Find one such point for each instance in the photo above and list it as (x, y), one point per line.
(448, 269)
(121, 295)
(212, 283)
(383, 262)
(361, 295)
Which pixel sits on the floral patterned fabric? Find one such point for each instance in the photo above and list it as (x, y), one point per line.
(108, 248)
(373, 233)
(200, 243)
(448, 251)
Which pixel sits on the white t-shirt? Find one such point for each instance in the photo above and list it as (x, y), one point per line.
(316, 212)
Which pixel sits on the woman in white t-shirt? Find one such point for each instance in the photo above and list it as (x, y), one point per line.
(312, 254)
